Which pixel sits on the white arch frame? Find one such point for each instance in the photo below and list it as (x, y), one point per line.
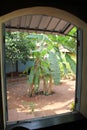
(62, 14)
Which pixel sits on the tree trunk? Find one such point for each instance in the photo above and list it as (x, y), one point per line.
(44, 86)
(50, 86)
(31, 90)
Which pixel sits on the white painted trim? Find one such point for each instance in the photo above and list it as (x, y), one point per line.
(62, 14)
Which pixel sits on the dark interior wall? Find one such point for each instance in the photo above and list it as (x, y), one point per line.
(76, 7)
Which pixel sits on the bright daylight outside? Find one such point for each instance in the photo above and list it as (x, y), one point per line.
(40, 73)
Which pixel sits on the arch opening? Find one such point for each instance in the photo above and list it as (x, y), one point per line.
(63, 32)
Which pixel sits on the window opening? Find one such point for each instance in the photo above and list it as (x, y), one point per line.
(40, 68)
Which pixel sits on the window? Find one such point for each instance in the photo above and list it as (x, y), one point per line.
(31, 107)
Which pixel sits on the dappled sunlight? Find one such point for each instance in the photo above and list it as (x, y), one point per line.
(48, 110)
(71, 89)
(58, 102)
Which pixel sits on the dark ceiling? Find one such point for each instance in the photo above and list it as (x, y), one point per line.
(76, 7)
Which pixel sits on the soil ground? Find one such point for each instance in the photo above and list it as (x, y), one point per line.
(18, 101)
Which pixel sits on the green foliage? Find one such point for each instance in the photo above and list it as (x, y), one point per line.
(31, 75)
(73, 32)
(68, 42)
(72, 107)
(54, 67)
(45, 50)
(17, 47)
(49, 59)
(71, 63)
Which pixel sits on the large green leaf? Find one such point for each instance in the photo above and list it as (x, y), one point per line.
(71, 63)
(31, 76)
(54, 67)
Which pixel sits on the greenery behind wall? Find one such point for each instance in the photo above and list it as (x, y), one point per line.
(54, 56)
